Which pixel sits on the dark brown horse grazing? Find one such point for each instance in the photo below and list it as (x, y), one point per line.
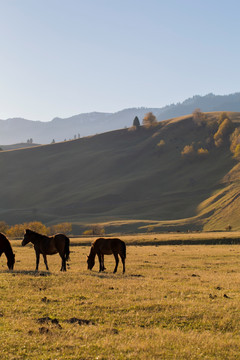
(101, 247)
(5, 247)
(46, 245)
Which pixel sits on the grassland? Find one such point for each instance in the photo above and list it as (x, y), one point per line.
(174, 302)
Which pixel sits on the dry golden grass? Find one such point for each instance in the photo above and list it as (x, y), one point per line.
(174, 302)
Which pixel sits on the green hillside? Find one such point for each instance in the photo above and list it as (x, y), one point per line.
(126, 179)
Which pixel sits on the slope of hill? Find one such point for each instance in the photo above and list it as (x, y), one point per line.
(17, 146)
(19, 130)
(132, 177)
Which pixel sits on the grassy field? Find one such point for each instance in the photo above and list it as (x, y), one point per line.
(173, 302)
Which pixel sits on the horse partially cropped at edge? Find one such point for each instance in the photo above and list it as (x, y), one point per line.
(101, 247)
(46, 245)
(5, 247)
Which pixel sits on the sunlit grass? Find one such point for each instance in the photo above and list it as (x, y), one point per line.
(174, 302)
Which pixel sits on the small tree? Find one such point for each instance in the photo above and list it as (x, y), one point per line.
(198, 116)
(149, 120)
(136, 122)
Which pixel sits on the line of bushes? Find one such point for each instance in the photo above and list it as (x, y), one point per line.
(18, 230)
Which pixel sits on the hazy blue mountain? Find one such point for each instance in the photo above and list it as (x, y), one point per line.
(18, 130)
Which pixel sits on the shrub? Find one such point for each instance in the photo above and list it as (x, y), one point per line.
(95, 230)
(18, 230)
(64, 228)
(236, 153)
(36, 226)
(88, 232)
(222, 117)
(3, 227)
(98, 230)
(149, 120)
(235, 143)
(132, 128)
(223, 131)
(188, 151)
(198, 117)
(161, 143)
(202, 152)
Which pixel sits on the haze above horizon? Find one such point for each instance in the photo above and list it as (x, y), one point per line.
(65, 57)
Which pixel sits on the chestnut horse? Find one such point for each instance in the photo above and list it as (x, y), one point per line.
(5, 247)
(101, 247)
(46, 245)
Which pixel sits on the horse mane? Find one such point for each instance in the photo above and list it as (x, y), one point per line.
(29, 231)
(92, 251)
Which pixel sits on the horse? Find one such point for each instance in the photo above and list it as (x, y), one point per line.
(46, 245)
(101, 247)
(5, 247)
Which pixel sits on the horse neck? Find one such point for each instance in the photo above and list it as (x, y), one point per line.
(92, 252)
(36, 238)
(8, 251)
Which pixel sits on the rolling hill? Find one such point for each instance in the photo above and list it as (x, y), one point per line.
(18, 130)
(127, 179)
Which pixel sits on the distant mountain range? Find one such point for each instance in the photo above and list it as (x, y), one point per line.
(18, 130)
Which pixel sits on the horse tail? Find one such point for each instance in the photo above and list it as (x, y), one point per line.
(66, 249)
(124, 249)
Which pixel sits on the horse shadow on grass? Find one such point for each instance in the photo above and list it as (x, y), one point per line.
(110, 275)
(27, 272)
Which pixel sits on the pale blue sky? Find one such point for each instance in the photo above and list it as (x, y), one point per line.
(65, 57)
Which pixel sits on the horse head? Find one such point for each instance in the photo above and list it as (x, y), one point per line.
(11, 262)
(90, 262)
(27, 237)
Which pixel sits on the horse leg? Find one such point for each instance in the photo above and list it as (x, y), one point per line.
(100, 261)
(37, 260)
(45, 261)
(123, 262)
(63, 268)
(103, 267)
(117, 261)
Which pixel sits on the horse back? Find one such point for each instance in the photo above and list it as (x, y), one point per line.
(109, 246)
